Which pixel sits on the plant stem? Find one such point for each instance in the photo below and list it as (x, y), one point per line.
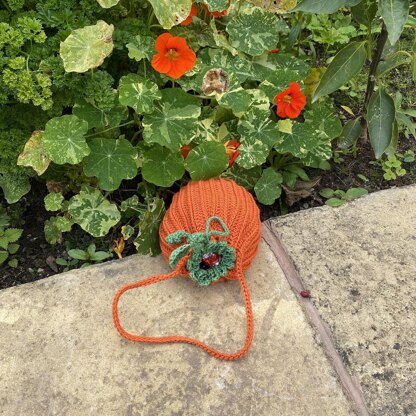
(150, 19)
(111, 128)
(381, 41)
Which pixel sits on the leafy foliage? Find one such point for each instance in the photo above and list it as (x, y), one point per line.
(84, 107)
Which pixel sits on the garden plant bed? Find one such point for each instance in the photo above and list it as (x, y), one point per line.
(109, 107)
(35, 251)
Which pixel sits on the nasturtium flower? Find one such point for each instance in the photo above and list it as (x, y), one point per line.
(193, 12)
(174, 57)
(232, 152)
(290, 102)
(276, 50)
(216, 13)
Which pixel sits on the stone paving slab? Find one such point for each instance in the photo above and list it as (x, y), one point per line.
(359, 263)
(60, 354)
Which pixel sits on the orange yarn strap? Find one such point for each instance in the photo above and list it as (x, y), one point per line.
(173, 338)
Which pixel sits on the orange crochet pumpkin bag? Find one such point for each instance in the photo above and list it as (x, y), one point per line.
(210, 233)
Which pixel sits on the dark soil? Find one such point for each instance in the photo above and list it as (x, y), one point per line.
(36, 258)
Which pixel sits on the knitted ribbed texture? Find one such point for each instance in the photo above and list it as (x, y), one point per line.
(191, 207)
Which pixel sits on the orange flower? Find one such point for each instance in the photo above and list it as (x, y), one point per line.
(232, 152)
(193, 12)
(290, 102)
(216, 13)
(185, 150)
(173, 57)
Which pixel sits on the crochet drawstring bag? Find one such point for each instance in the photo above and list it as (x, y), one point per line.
(210, 233)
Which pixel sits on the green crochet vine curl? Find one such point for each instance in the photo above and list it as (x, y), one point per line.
(201, 244)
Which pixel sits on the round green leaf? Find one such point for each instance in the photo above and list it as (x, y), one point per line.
(34, 154)
(138, 93)
(268, 187)
(346, 64)
(279, 68)
(335, 202)
(93, 212)
(238, 101)
(326, 193)
(141, 47)
(78, 254)
(246, 178)
(87, 47)
(354, 193)
(64, 140)
(111, 161)
(253, 152)
(174, 120)
(304, 138)
(254, 31)
(98, 117)
(14, 186)
(327, 124)
(256, 124)
(162, 167)
(53, 201)
(206, 160)
(54, 227)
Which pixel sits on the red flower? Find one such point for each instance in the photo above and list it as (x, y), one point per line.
(274, 50)
(173, 57)
(193, 12)
(216, 13)
(232, 152)
(185, 150)
(290, 102)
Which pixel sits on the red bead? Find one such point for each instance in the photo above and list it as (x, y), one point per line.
(211, 259)
(305, 294)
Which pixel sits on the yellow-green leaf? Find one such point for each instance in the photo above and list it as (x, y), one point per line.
(34, 154)
(87, 47)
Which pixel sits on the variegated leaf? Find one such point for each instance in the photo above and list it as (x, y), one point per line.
(64, 139)
(174, 120)
(171, 12)
(138, 93)
(147, 241)
(34, 154)
(254, 31)
(87, 47)
(257, 124)
(253, 152)
(93, 212)
(106, 4)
